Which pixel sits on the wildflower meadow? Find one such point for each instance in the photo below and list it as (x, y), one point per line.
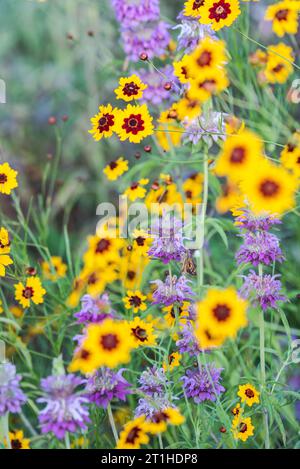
(149, 224)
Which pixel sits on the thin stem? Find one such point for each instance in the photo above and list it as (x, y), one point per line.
(161, 445)
(4, 431)
(112, 423)
(200, 254)
(67, 440)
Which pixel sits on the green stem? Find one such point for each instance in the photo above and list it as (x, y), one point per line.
(200, 254)
(67, 440)
(112, 423)
(161, 446)
(4, 431)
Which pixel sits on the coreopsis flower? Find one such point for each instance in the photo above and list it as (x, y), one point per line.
(290, 155)
(180, 70)
(135, 300)
(137, 190)
(239, 154)
(269, 189)
(264, 290)
(230, 197)
(259, 248)
(168, 131)
(209, 54)
(242, 428)
(134, 123)
(94, 310)
(141, 241)
(17, 440)
(151, 38)
(284, 17)
(102, 250)
(131, 13)
(188, 110)
(30, 292)
(237, 410)
(8, 179)
(167, 244)
(115, 169)
(208, 84)
(164, 417)
(103, 123)
(5, 261)
(203, 384)
(153, 381)
(191, 32)
(172, 290)
(193, 187)
(142, 333)
(66, 407)
(182, 311)
(173, 361)
(105, 385)
(4, 241)
(155, 93)
(193, 8)
(279, 63)
(248, 394)
(221, 313)
(134, 434)
(219, 13)
(130, 88)
(11, 396)
(54, 269)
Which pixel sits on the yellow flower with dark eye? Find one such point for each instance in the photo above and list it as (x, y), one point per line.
(54, 269)
(209, 54)
(17, 440)
(134, 434)
(141, 242)
(8, 179)
(162, 418)
(284, 17)
(222, 313)
(183, 313)
(180, 70)
(230, 197)
(193, 8)
(102, 250)
(103, 123)
(163, 193)
(233, 125)
(269, 189)
(290, 155)
(239, 154)
(32, 291)
(237, 410)
(130, 88)
(5, 261)
(279, 63)
(115, 169)
(134, 123)
(137, 190)
(135, 300)
(188, 108)
(4, 241)
(242, 428)
(219, 13)
(169, 132)
(142, 333)
(211, 82)
(172, 362)
(248, 394)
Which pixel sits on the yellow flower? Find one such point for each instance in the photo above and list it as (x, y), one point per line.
(115, 169)
(193, 8)
(134, 123)
(8, 179)
(164, 193)
(5, 260)
(102, 250)
(290, 155)
(169, 132)
(277, 68)
(141, 242)
(103, 123)
(248, 394)
(130, 88)
(222, 313)
(210, 82)
(135, 300)
(95, 279)
(219, 13)
(192, 188)
(237, 410)
(161, 419)
(233, 125)
(242, 428)
(136, 190)
(142, 333)
(1, 309)
(180, 69)
(80, 442)
(239, 154)
(4, 241)
(230, 198)
(188, 108)
(269, 189)
(209, 54)
(32, 291)
(183, 314)
(54, 269)
(17, 440)
(134, 434)
(16, 311)
(284, 17)
(172, 362)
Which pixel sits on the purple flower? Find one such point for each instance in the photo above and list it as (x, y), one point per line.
(105, 385)
(153, 381)
(131, 12)
(251, 222)
(149, 406)
(172, 290)
(65, 409)
(191, 32)
(265, 290)
(167, 242)
(11, 395)
(259, 247)
(187, 341)
(207, 127)
(152, 38)
(94, 310)
(294, 382)
(203, 384)
(156, 93)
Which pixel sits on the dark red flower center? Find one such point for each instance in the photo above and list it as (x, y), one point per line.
(102, 246)
(84, 354)
(171, 358)
(113, 165)
(221, 312)
(298, 160)
(16, 444)
(131, 274)
(269, 188)
(219, 11)
(282, 15)
(238, 155)
(3, 178)
(249, 393)
(92, 279)
(131, 89)
(133, 124)
(105, 122)
(135, 301)
(278, 68)
(243, 427)
(184, 72)
(140, 333)
(197, 4)
(188, 194)
(160, 417)
(204, 59)
(291, 147)
(133, 435)
(28, 292)
(140, 241)
(109, 341)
